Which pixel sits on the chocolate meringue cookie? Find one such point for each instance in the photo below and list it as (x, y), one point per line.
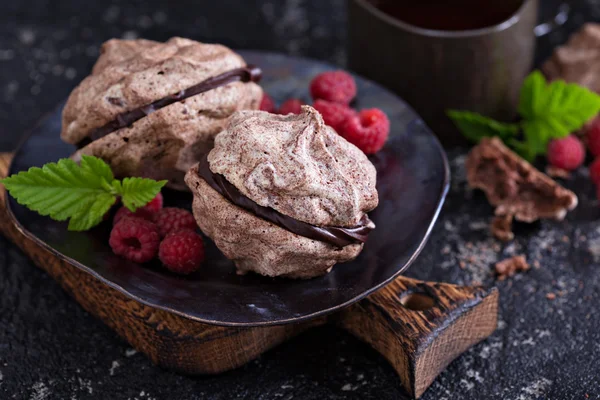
(135, 110)
(284, 195)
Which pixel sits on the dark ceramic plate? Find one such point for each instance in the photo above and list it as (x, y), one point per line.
(412, 182)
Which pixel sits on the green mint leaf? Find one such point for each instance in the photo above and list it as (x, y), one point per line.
(58, 190)
(117, 187)
(532, 94)
(474, 126)
(92, 213)
(137, 192)
(537, 133)
(81, 193)
(98, 167)
(522, 148)
(554, 110)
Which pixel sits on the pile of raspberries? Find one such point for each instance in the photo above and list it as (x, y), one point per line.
(569, 153)
(151, 231)
(332, 92)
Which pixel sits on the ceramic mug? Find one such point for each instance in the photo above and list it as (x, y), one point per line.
(479, 70)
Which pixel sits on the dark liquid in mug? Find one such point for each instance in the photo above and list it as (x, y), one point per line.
(449, 15)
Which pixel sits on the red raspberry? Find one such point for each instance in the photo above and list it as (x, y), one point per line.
(368, 130)
(135, 239)
(124, 212)
(291, 106)
(267, 104)
(144, 212)
(595, 171)
(171, 219)
(334, 114)
(593, 137)
(155, 204)
(334, 86)
(567, 153)
(182, 252)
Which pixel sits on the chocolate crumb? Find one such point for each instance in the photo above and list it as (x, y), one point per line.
(510, 266)
(501, 228)
(516, 188)
(556, 172)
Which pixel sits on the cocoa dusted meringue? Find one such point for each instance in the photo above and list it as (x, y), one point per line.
(284, 195)
(153, 109)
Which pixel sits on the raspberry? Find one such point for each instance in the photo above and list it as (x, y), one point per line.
(123, 212)
(291, 106)
(155, 204)
(595, 171)
(566, 153)
(334, 86)
(368, 130)
(593, 137)
(135, 239)
(182, 252)
(334, 114)
(267, 104)
(171, 219)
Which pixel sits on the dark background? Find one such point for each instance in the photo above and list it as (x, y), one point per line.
(51, 349)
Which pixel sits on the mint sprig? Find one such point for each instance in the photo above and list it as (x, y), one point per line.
(475, 126)
(548, 111)
(81, 193)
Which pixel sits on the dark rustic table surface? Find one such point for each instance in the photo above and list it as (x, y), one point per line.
(50, 348)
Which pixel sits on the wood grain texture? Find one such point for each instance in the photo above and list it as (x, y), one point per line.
(419, 327)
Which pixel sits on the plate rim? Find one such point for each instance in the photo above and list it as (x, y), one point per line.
(439, 205)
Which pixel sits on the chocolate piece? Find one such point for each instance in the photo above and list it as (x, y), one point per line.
(247, 74)
(578, 61)
(510, 266)
(336, 236)
(514, 186)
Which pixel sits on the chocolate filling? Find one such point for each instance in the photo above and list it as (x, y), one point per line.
(336, 236)
(249, 73)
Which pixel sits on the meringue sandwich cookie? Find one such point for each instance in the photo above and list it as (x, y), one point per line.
(284, 195)
(153, 109)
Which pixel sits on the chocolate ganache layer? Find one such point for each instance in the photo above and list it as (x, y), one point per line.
(337, 236)
(249, 73)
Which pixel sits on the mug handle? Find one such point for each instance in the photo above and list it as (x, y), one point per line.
(561, 16)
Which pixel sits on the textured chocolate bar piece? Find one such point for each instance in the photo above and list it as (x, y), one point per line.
(515, 187)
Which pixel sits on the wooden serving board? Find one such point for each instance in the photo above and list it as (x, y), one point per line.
(419, 327)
